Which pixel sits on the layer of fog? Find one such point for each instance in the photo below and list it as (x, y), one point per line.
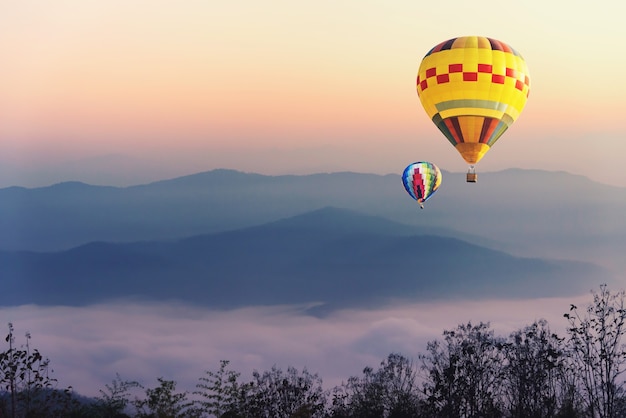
(87, 346)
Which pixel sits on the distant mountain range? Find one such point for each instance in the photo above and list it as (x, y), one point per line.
(328, 258)
(524, 212)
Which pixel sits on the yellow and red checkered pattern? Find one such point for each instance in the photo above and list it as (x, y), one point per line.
(473, 88)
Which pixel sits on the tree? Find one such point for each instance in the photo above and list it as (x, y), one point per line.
(595, 337)
(398, 378)
(115, 399)
(389, 392)
(220, 392)
(464, 373)
(275, 394)
(535, 384)
(25, 377)
(163, 402)
(364, 395)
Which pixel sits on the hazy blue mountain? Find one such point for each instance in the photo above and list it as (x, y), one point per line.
(334, 256)
(526, 212)
(108, 169)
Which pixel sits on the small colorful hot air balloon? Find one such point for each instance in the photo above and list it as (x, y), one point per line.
(473, 88)
(421, 180)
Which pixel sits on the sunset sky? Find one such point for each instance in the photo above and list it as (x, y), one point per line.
(297, 87)
(120, 92)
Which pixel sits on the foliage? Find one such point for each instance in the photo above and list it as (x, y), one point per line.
(115, 400)
(272, 393)
(599, 356)
(276, 394)
(163, 402)
(533, 373)
(389, 392)
(25, 378)
(463, 374)
(536, 373)
(220, 392)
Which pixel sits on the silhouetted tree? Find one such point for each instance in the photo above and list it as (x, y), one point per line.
(25, 378)
(163, 402)
(469, 374)
(113, 401)
(534, 384)
(359, 397)
(276, 394)
(595, 339)
(221, 393)
(464, 373)
(391, 391)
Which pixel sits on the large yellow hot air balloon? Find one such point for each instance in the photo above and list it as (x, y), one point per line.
(473, 88)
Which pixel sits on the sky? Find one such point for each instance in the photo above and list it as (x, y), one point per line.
(121, 92)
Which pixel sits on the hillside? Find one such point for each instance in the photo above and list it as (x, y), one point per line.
(526, 212)
(331, 256)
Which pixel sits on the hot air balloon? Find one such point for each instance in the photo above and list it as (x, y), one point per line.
(473, 88)
(421, 180)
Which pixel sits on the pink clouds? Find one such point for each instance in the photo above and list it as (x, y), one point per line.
(88, 346)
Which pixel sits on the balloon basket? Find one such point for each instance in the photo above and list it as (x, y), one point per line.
(471, 177)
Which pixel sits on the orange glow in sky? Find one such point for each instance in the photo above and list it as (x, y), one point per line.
(153, 78)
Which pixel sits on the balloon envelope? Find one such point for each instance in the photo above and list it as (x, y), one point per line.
(421, 180)
(473, 88)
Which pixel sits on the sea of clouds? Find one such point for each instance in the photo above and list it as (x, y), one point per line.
(88, 346)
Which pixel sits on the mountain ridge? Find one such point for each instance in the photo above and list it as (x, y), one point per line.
(301, 260)
(527, 212)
